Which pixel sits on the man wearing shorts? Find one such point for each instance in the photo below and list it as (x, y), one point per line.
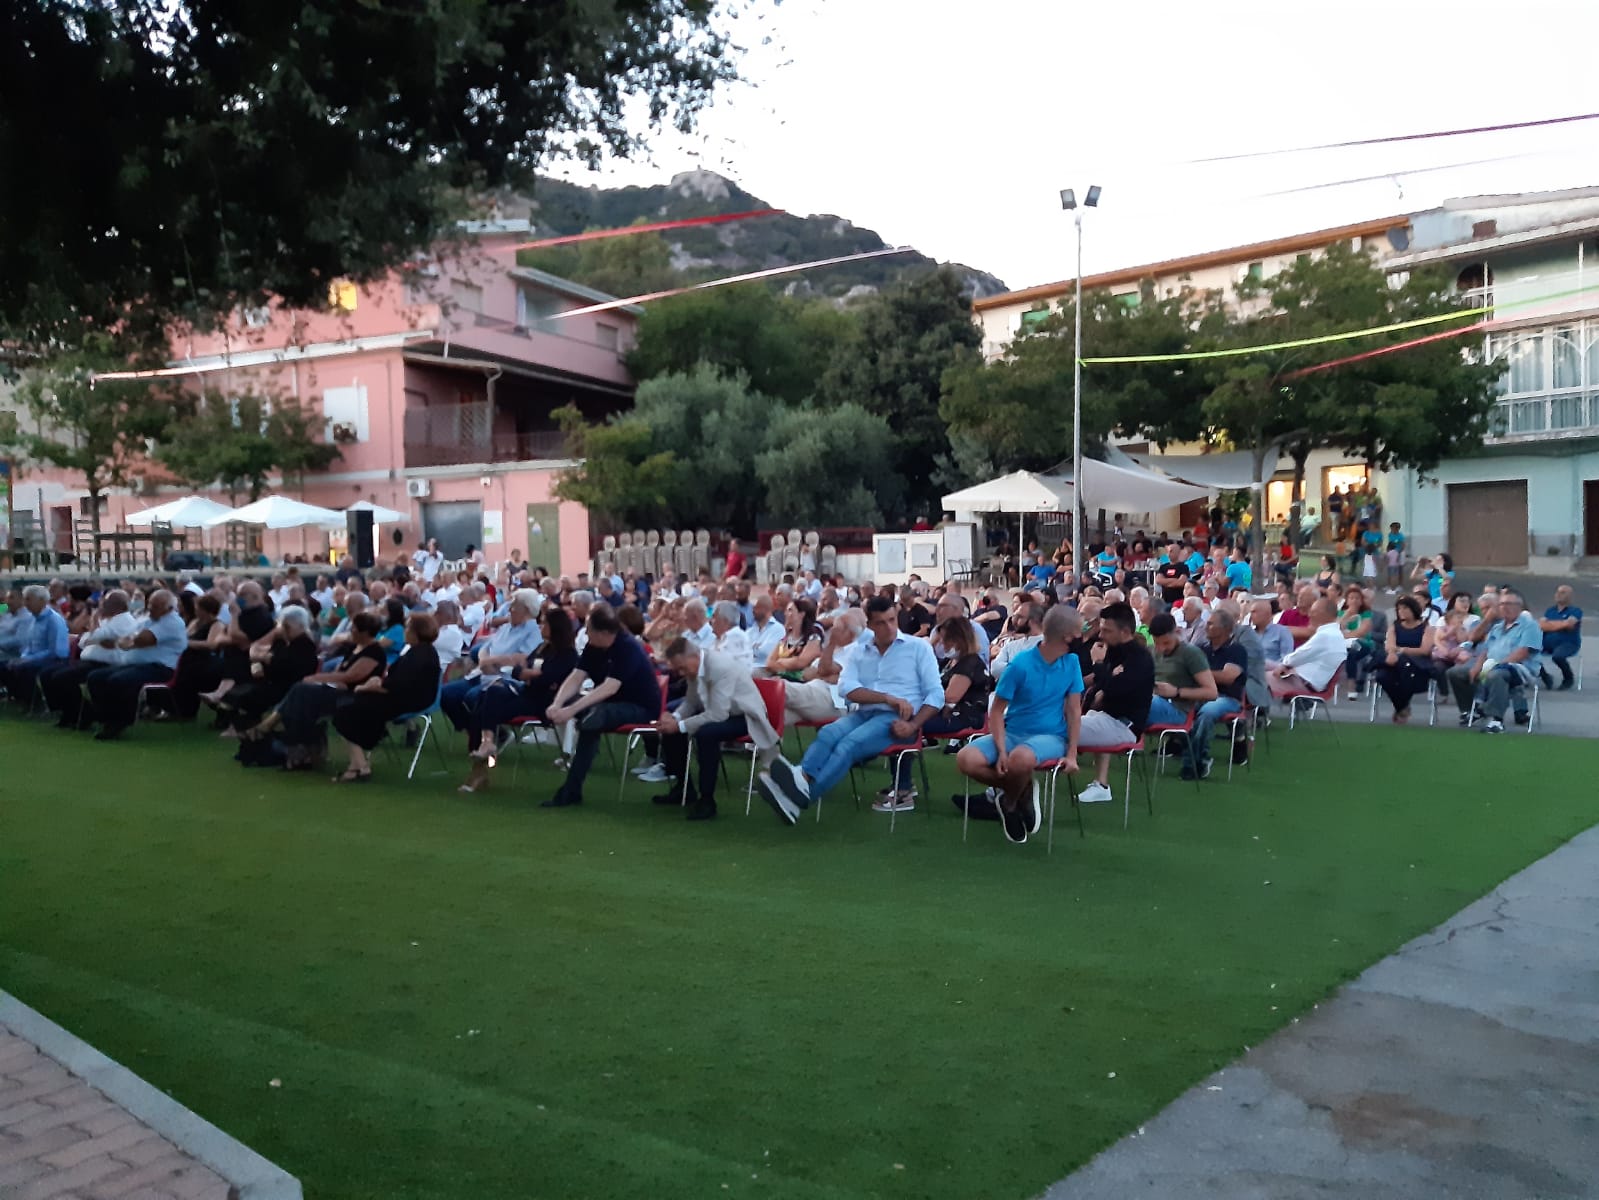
(1035, 717)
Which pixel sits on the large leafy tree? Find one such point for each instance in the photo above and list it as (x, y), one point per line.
(825, 468)
(241, 441)
(1018, 409)
(1412, 407)
(909, 336)
(691, 440)
(782, 344)
(100, 431)
(170, 159)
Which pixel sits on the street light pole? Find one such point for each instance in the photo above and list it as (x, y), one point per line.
(1068, 201)
(1078, 508)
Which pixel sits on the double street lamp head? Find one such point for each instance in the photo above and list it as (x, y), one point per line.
(1068, 198)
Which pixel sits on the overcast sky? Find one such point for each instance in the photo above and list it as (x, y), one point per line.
(951, 125)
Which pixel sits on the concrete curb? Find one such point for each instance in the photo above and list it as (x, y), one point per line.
(251, 1176)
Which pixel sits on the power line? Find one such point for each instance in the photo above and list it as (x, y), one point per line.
(1402, 137)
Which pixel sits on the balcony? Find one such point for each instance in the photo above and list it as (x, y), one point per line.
(1529, 418)
(456, 434)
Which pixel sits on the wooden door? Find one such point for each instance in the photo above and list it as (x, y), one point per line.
(1488, 523)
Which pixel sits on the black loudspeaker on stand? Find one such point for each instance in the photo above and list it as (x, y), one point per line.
(360, 529)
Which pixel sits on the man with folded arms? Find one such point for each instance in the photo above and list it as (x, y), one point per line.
(149, 656)
(1035, 716)
(893, 681)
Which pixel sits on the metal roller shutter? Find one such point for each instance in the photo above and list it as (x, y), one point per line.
(1488, 523)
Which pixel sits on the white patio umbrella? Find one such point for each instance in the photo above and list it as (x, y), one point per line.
(380, 515)
(281, 512)
(183, 513)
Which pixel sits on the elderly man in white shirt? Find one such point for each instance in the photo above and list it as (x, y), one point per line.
(730, 639)
(696, 625)
(1314, 663)
(817, 698)
(149, 656)
(97, 651)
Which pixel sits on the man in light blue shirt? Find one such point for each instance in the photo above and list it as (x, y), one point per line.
(765, 631)
(47, 644)
(892, 679)
(149, 656)
(1034, 717)
(1276, 642)
(1502, 670)
(15, 626)
(511, 645)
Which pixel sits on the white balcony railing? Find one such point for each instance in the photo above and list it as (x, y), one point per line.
(1570, 414)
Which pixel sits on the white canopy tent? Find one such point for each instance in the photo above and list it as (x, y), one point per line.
(185, 512)
(281, 512)
(1230, 471)
(1127, 489)
(1020, 492)
(1123, 489)
(380, 515)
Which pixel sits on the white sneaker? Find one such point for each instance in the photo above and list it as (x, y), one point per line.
(648, 765)
(791, 780)
(885, 793)
(786, 810)
(656, 773)
(1095, 793)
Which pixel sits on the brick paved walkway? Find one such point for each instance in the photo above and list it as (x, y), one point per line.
(60, 1138)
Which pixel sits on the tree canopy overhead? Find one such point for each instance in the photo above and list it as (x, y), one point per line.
(171, 158)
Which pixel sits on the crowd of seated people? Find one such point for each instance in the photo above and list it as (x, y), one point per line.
(1174, 633)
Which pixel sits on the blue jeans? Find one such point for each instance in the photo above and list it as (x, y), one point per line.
(854, 737)
(1163, 712)
(457, 700)
(1205, 718)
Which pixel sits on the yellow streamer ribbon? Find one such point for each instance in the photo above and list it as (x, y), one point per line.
(1323, 339)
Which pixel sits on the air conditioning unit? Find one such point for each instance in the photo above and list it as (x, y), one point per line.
(418, 488)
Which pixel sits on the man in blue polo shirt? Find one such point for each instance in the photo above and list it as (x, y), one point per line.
(1562, 633)
(47, 643)
(1500, 672)
(892, 679)
(627, 691)
(1034, 717)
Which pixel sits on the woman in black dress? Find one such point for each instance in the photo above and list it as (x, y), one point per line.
(410, 685)
(198, 668)
(1407, 666)
(276, 664)
(526, 694)
(297, 720)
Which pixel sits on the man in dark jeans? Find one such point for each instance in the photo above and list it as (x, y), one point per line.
(626, 691)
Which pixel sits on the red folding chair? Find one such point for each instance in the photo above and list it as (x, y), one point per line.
(144, 693)
(896, 754)
(635, 732)
(1160, 733)
(1128, 750)
(799, 742)
(771, 691)
(1049, 792)
(1297, 695)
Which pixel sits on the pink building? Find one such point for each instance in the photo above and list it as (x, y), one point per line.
(439, 392)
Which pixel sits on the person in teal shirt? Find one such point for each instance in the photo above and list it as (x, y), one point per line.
(1239, 573)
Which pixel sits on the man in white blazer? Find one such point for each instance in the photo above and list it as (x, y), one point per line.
(721, 703)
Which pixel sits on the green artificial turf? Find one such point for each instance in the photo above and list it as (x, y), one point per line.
(471, 997)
